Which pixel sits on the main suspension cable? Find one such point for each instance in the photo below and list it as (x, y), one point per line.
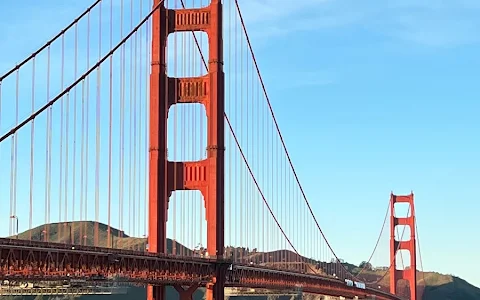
(84, 75)
(45, 46)
(378, 240)
(240, 148)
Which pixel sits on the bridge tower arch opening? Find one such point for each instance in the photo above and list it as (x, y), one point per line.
(206, 175)
(186, 142)
(410, 273)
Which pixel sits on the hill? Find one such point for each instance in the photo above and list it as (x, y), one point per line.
(83, 232)
(432, 285)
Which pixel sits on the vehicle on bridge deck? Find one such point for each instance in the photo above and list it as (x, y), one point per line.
(357, 284)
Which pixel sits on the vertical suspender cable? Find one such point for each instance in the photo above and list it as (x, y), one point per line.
(82, 152)
(230, 166)
(140, 86)
(203, 148)
(97, 142)
(146, 128)
(278, 166)
(82, 160)
(32, 133)
(67, 116)
(272, 170)
(242, 176)
(195, 120)
(13, 173)
(47, 150)
(247, 140)
(74, 163)
(134, 136)
(67, 122)
(12, 184)
(237, 166)
(60, 185)
(187, 140)
(165, 195)
(122, 125)
(184, 139)
(264, 173)
(87, 125)
(109, 234)
(49, 157)
(175, 141)
(193, 125)
(237, 163)
(130, 136)
(257, 210)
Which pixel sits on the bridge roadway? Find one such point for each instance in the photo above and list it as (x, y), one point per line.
(43, 261)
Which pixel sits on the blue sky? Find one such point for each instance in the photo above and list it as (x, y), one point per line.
(370, 97)
(383, 98)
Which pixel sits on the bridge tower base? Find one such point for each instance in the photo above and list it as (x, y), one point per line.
(186, 293)
(408, 274)
(206, 176)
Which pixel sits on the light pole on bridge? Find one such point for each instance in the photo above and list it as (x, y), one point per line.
(16, 229)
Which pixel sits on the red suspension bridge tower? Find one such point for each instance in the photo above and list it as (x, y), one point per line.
(408, 274)
(206, 175)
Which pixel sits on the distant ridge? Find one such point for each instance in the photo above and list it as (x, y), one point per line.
(83, 232)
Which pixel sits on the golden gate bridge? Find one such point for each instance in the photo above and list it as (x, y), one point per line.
(154, 119)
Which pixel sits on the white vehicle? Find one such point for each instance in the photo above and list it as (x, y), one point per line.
(357, 284)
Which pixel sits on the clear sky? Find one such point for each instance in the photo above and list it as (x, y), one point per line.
(371, 98)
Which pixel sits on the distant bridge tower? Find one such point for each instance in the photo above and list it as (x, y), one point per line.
(409, 274)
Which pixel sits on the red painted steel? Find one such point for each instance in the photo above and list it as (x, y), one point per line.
(207, 175)
(186, 293)
(53, 261)
(40, 261)
(409, 274)
(261, 277)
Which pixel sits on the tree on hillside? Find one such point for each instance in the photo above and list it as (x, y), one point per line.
(366, 265)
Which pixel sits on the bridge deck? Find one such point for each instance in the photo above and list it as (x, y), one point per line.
(39, 261)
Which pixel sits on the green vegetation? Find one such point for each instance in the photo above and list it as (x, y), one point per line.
(433, 286)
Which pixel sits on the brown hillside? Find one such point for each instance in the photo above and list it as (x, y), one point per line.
(83, 232)
(431, 286)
